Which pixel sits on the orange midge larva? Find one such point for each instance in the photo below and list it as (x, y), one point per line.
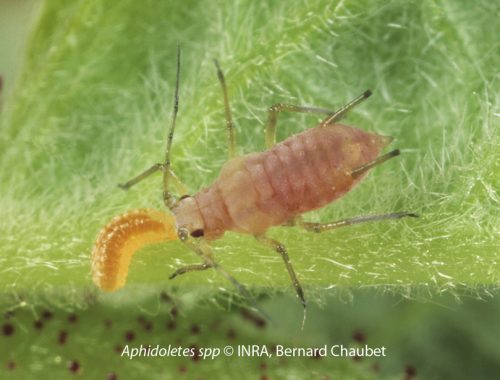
(121, 238)
(252, 193)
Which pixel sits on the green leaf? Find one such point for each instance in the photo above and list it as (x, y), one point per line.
(92, 107)
(94, 101)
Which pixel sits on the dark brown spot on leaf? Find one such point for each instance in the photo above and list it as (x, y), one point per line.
(317, 355)
(38, 324)
(165, 297)
(8, 329)
(47, 315)
(129, 336)
(231, 334)
(195, 329)
(410, 372)
(174, 312)
(196, 351)
(74, 366)
(63, 337)
(359, 336)
(171, 325)
(141, 319)
(252, 317)
(147, 325)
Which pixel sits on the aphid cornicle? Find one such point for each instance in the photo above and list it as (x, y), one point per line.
(252, 193)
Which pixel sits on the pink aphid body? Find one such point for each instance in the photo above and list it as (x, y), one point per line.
(304, 172)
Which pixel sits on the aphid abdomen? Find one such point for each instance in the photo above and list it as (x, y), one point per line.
(323, 158)
(306, 172)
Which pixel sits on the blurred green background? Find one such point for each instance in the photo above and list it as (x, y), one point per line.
(87, 94)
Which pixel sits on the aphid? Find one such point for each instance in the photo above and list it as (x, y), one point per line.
(252, 193)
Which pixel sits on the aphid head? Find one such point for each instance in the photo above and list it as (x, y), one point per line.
(189, 219)
(121, 238)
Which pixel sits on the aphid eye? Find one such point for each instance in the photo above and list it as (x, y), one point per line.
(197, 233)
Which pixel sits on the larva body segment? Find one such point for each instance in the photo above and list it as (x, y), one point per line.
(302, 173)
(121, 238)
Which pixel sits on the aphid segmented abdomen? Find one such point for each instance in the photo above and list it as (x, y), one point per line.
(317, 163)
(302, 173)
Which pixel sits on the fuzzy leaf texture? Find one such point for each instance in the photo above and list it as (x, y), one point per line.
(94, 101)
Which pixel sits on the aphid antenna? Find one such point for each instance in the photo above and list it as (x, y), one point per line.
(227, 110)
(170, 136)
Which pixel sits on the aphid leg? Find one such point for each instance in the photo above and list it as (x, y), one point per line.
(274, 111)
(202, 249)
(320, 227)
(227, 109)
(176, 182)
(343, 110)
(190, 268)
(281, 249)
(333, 116)
(168, 198)
(146, 173)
